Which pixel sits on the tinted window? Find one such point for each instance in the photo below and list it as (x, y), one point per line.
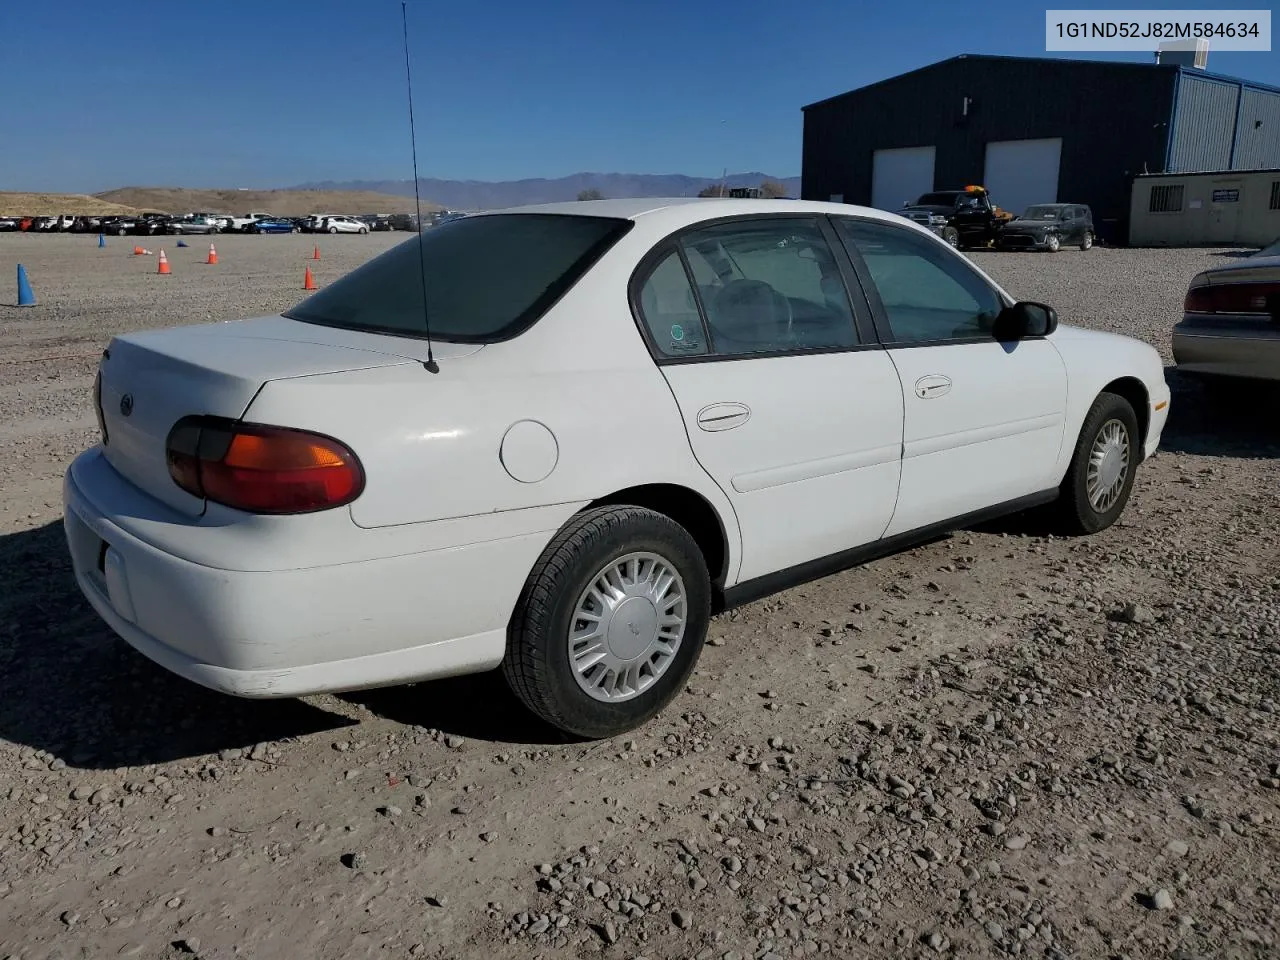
(670, 311)
(1043, 212)
(928, 292)
(945, 199)
(769, 285)
(487, 277)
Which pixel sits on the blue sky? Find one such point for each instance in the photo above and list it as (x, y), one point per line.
(269, 93)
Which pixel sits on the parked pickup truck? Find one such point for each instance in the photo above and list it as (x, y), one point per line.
(245, 224)
(963, 218)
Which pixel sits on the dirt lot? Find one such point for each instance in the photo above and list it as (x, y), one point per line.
(1000, 744)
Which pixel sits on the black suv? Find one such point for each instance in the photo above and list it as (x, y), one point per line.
(963, 218)
(1049, 226)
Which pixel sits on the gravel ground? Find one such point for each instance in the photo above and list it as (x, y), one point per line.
(1003, 743)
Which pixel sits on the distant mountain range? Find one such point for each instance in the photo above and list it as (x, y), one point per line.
(487, 195)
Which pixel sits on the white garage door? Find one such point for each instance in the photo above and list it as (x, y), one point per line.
(1022, 172)
(899, 176)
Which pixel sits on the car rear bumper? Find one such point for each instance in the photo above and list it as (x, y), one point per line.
(1251, 352)
(287, 633)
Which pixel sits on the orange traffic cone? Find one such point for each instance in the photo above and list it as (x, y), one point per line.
(213, 255)
(138, 251)
(164, 263)
(316, 254)
(308, 282)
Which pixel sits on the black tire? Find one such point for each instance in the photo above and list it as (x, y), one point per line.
(536, 664)
(1052, 243)
(952, 236)
(1077, 513)
(1087, 242)
(333, 229)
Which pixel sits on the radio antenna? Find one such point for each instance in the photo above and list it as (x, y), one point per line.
(431, 365)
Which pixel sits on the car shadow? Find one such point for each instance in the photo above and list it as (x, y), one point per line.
(1235, 254)
(72, 691)
(1233, 420)
(478, 706)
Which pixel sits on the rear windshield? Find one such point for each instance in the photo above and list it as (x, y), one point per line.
(487, 277)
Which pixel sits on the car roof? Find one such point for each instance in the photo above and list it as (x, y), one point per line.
(691, 210)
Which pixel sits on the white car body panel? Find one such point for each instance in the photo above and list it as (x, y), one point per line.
(802, 486)
(987, 430)
(1095, 359)
(472, 470)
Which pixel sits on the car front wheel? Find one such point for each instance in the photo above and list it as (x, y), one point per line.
(952, 236)
(610, 622)
(1100, 477)
(1052, 243)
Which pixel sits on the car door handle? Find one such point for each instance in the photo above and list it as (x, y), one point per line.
(934, 385)
(723, 416)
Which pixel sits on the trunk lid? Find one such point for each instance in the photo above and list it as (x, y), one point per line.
(148, 381)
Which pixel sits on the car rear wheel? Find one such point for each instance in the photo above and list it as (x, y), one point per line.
(1100, 477)
(333, 229)
(610, 622)
(1087, 242)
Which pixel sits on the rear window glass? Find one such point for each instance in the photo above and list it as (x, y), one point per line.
(487, 277)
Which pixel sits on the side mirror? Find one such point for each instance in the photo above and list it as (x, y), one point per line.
(1025, 319)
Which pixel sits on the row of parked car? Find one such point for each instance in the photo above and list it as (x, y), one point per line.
(969, 218)
(150, 224)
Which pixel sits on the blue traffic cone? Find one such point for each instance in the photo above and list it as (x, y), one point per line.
(25, 297)
(181, 243)
(102, 241)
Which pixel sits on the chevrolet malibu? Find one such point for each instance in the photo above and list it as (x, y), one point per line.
(558, 439)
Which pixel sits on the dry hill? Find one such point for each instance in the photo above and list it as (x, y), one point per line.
(285, 203)
(57, 204)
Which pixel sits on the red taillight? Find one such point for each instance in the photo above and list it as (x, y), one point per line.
(262, 469)
(1260, 298)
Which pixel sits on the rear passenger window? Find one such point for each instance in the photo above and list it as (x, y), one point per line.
(769, 286)
(670, 311)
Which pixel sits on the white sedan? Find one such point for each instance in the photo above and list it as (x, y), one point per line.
(628, 415)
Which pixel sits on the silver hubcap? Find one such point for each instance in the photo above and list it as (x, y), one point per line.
(627, 627)
(1108, 466)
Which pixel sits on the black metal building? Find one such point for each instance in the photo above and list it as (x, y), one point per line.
(1035, 130)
